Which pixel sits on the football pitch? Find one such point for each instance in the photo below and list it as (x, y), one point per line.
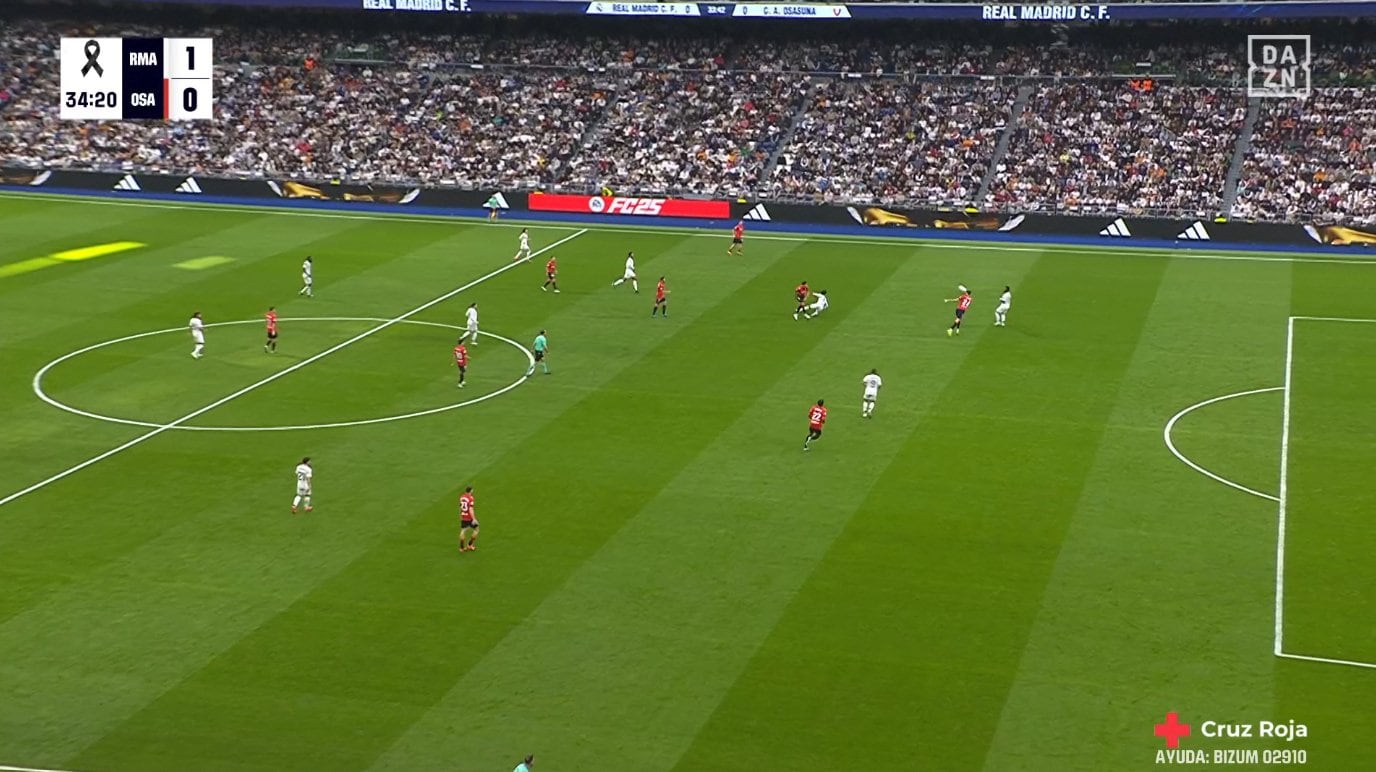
(1005, 568)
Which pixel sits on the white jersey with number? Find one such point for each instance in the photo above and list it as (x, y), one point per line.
(819, 304)
(525, 242)
(872, 383)
(630, 268)
(306, 272)
(197, 329)
(472, 318)
(1005, 300)
(303, 479)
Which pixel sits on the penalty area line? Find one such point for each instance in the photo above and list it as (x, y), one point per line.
(279, 374)
(6, 768)
(1307, 658)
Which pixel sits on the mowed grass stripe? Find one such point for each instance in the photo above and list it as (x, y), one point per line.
(943, 565)
(1329, 698)
(171, 384)
(128, 525)
(420, 262)
(37, 228)
(235, 513)
(634, 637)
(411, 597)
(110, 285)
(1162, 579)
(1329, 595)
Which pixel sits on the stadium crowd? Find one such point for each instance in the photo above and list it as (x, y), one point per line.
(1312, 160)
(895, 121)
(880, 141)
(1092, 146)
(688, 132)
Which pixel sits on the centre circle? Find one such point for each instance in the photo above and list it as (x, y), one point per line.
(43, 395)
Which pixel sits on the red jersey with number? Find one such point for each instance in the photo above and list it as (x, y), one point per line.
(964, 301)
(659, 291)
(739, 231)
(817, 416)
(549, 267)
(272, 322)
(802, 292)
(461, 356)
(466, 511)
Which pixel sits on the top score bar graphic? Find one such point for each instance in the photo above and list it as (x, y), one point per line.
(111, 79)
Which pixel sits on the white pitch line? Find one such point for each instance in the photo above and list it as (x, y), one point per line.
(889, 241)
(281, 373)
(1170, 444)
(1280, 505)
(43, 371)
(4, 768)
(1333, 319)
(1327, 660)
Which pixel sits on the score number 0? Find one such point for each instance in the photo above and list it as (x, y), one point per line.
(188, 73)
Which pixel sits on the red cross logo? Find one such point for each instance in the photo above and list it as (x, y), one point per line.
(1172, 730)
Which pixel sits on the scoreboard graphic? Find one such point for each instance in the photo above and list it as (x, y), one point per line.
(113, 79)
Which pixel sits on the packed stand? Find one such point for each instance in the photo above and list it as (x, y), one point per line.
(705, 133)
(1100, 147)
(1312, 160)
(888, 142)
(706, 116)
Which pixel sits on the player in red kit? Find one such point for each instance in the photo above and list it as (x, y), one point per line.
(551, 276)
(461, 361)
(962, 305)
(271, 317)
(816, 416)
(468, 521)
(661, 299)
(737, 240)
(801, 293)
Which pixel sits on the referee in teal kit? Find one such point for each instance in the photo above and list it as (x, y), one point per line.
(541, 347)
(526, 766)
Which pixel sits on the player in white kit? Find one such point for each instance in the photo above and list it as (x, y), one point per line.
(629, 275)
(307, 278)
(472, 330)
(197, 334)
(303, 484)
(523, 250)
(872, 383)
(819, 304)
(1001, 313)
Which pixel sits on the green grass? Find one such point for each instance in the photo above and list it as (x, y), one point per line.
(1004, 569)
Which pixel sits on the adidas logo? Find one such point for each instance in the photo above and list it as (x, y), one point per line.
(497, 201)
(1117, 229)
(758, 212)
(127, 182)
(1195, 232)
(189, 186)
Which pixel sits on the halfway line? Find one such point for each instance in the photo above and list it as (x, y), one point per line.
(280, 373)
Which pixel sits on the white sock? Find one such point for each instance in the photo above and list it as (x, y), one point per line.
(308, 501)
(618, 282)
(199, 348)
(296, 502)
(635, 285)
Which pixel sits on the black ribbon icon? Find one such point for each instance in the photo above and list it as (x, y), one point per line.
(92, 55)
